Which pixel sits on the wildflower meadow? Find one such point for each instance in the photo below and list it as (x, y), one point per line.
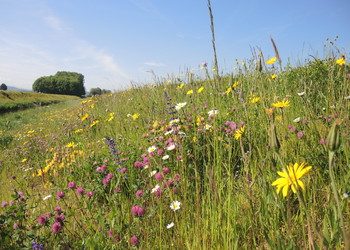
(258, 158)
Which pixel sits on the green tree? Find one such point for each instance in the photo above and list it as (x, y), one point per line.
(3, 86)
(63, 82)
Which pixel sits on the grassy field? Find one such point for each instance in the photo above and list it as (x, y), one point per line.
(257, 160)
(18, 100)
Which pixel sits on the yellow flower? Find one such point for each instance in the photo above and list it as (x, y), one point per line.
(78, 131)
(272, 60)
(273, 76)
(214, 69)
(235, 84)
(200, 89)
(92, 106)
(24, 160)
(190, 92)
(94, 123)
(135, 116)
(341, 61)
(70, 145)
(290, 178)
(243, 63)
(278, 118)
(180, 86)
(281, 104)
(85, 117)
(254, 99)
(228, 90)
(239, 133)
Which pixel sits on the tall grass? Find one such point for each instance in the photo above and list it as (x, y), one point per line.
(195, 155)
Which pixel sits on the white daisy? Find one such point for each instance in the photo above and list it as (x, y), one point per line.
(155, 189)
(152, 149)
(175, 205)
(180, 105)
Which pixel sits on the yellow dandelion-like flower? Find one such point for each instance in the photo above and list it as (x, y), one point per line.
(281, 104)
(290, 178)
(85, 117)
(94, 123)
(24, 160)
(92, 106)
(239, 133)
(190, 92)
(273, 76)
(135, 116)
(228, 90)
(180, 86)
(254, 99)
(341, 61)
(243, 63)
(272, 60)
(200, 89)
(214, 69)
(70, 145)
(235, 84)
(78, 131)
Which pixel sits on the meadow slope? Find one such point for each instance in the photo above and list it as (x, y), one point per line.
(190, 162)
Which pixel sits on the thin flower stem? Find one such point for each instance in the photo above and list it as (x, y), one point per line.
(336, 197)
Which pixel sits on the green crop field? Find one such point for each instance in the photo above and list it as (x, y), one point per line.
(252, 159)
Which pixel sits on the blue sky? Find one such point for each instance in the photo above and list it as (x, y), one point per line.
(116, 42)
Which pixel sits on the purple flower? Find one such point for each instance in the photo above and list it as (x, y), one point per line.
(204, 64)
(117, 190)
(322, 141)
(42, 219)
(300, 134)
(89, 194)
(80, 190)
(138, 164)
(71, 185)
(15, 226)
(166, 170)
(134, 240)
(58, 210)
(139, 193)
(60, 218)
(109, 176)
(105, 181)
(4, 204)
(160, 151)
(159, 176)
(60, 194)
(123, 170)
(56, 227)
(137, 211)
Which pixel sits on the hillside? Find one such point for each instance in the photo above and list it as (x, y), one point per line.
(257, 160)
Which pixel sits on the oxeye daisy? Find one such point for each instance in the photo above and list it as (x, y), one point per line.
(156, 187)
(180, 105)
(175, 205)
(152, 149)
(290, 177)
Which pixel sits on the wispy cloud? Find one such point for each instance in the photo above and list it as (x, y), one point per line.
(154, 64)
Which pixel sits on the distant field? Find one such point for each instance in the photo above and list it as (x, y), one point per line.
(17, 100)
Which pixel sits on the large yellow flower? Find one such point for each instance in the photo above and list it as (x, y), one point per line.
(290, 177)
(281, 104)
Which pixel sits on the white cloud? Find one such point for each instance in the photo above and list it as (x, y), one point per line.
(154, 64)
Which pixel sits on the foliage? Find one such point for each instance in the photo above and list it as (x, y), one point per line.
(3, 86)
(98, 91)
(63, 83)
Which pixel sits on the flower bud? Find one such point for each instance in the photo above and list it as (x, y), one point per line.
(273, 139)
(333, 138)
